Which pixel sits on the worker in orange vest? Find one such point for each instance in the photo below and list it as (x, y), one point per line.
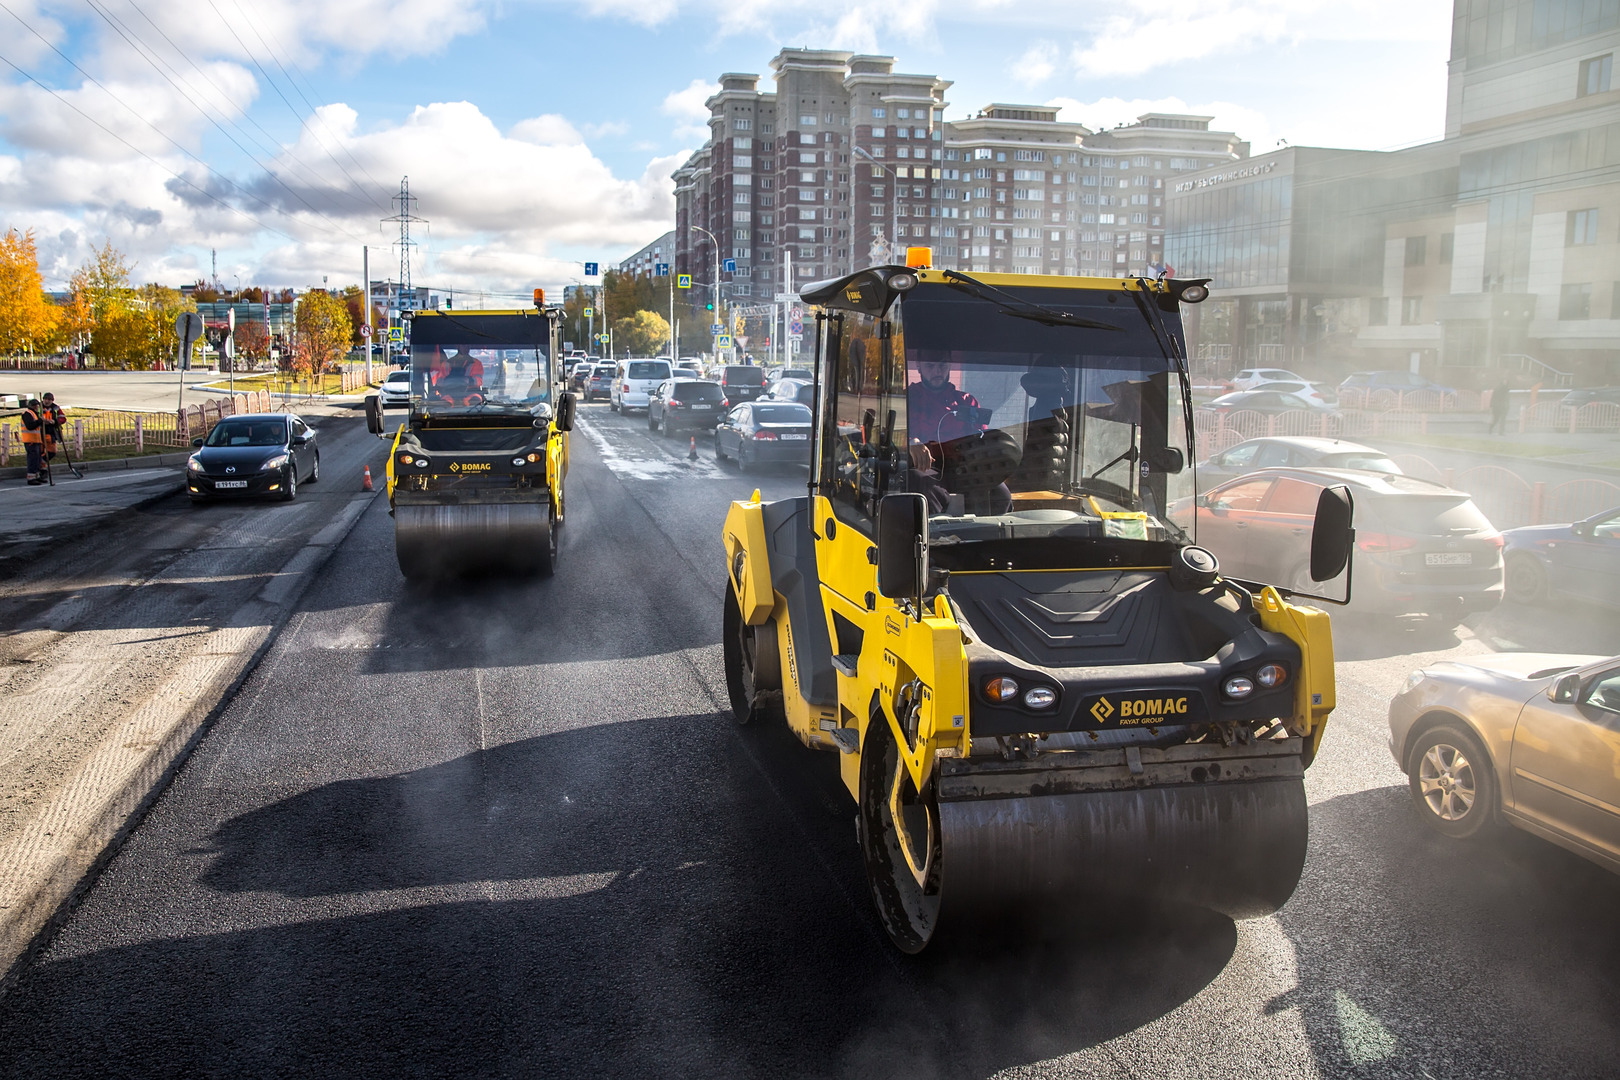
(33, 440)
(55, 426)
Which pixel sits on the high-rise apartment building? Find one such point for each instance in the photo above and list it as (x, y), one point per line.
(848, 162)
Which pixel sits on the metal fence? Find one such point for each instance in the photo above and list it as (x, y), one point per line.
(140, 431)
(1510, 501)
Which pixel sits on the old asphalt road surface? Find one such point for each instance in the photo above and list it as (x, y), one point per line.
(506, 828)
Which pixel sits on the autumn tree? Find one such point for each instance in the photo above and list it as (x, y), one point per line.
(323, 331)
(252, 341)
(28, 319)
(645, 333)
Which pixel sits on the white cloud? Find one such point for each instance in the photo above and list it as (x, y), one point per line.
(688, 108)
(1036, 65)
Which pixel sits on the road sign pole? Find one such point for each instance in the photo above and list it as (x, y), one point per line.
(365, 273)
(230, 349)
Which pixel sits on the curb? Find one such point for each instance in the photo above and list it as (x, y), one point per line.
(17, 472)
(53, 901)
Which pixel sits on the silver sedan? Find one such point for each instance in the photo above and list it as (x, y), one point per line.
(1530, 739)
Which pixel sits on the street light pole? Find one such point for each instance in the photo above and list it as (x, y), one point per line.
(894, 192)
(719, 314)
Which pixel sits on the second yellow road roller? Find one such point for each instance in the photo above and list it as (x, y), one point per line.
(476, 471)
(993, 606)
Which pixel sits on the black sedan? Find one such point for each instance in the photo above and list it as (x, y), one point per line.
(685, 404)
(253, 456)
(764, 431)
(1578, 561)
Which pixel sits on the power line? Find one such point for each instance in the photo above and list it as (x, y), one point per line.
(201, 191)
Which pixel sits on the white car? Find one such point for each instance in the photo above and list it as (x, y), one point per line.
(634, 379)
(396, 390)
(1251, 378)
(1530, 739)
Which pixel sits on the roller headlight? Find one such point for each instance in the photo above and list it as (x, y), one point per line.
(1040, 697)
(1001, 689)
(274, 462)
(518, 460)
(902, 282)
(1271, 676)
(1194, 294)
(1238, 686)
(422, 462)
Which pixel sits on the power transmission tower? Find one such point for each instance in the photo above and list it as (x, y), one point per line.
(403, 204)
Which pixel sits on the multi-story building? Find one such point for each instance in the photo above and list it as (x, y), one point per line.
(1493, 251)
(849, 162)
(646, 261)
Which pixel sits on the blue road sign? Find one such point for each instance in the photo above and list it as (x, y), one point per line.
(715, 328)
(683, 281)
(590, 269)
(723, 341)
(795, 327)
(660, 269)
(731, 266)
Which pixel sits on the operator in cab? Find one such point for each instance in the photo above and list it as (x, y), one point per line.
(457, 377)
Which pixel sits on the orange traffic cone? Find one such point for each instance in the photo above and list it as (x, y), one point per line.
(365, 483)
(691, 455)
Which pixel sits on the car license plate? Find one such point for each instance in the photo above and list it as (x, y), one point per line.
(1449, 558)
(702, 407)
(230, 483)
(795, 438)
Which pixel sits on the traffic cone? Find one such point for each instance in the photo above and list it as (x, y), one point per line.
(365, 482)
(691, 455)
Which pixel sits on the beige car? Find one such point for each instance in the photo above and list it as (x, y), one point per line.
(1532, 739)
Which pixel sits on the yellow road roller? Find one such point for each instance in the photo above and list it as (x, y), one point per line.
(476, 470)
(993, 606)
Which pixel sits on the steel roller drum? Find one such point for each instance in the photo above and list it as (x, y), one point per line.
(1236, 848)
(450, 541)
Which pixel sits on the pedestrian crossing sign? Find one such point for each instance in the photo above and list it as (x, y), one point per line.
(683, 281)
(397, 335)
(723, 341)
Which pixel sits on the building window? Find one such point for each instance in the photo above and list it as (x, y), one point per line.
(1378, 311)
(1575, 302)
(807, 121)
(1411, 310)
(1580, 228)
(741, 124)
(766, 128)
(879, 113)
(1417, 250)
(1595, 75)
(742, 198)
(1447, 243)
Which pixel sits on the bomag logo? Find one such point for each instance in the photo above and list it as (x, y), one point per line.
(1140, 710)
(469, 466)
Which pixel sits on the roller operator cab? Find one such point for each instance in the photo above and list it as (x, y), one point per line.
(475, 474)
(992, 606)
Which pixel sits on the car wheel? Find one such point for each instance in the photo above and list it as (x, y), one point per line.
(315, 470)
(289, 486)
(1525, 581)
(652, 422)
(1452, 782)
(719, 454)
(743, 464)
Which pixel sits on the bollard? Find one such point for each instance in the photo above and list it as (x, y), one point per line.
(691, 454)
(140, 435)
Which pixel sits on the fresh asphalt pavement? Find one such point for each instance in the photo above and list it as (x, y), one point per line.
(508, 828)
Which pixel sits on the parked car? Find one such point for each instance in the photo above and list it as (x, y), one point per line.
(1266, 401)
(1579, 560)
(1368, 382)
(253, 455)
(1251, 378)
(776, 374)
(600, 383)
(396, 390)
(635, 379)
(742, 382)
(1312, 392)
(1529, 739)
(802, 391)
(1421, 547)
(1300, 452)
(684, 404)
(1608, 395)
(764, 431)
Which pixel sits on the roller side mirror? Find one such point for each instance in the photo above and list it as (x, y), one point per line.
(902, 545)
(1333, 537)
(1168, 459)
(565, 412)
(374, 420)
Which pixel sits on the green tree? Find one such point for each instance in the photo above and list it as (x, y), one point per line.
(646, 333)
(28, 319)
(322, 332)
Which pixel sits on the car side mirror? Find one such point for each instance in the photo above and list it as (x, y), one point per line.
(1333, 536)
(902, 545)
(565, 412)
(1581, 528)
(300, 440)
(374, 422)
(1565, 689)
(1202, 502)
(197, 441)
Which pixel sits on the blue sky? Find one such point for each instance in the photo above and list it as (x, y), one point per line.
(540, 134)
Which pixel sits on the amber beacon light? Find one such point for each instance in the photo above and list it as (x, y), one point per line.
(919, 258)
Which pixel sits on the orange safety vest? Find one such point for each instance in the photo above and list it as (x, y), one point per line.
(35, 435)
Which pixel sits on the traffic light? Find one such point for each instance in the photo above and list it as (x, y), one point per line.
(709, 306)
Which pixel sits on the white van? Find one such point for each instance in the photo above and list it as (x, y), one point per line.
(634, 379)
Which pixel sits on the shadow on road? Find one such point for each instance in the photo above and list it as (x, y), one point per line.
(636, 922)
(1494, 958)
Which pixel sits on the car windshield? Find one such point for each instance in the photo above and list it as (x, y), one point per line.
(781, 414)
(399, 377)
(248, 433)
(738, 375)
(697, 391)
(473, 376)
(647, 369)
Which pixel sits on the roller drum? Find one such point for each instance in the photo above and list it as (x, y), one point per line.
(461, 539)
(1236, 848)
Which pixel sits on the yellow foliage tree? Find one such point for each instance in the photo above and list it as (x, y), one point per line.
(28, 319)
(646, 333)
(322, 331)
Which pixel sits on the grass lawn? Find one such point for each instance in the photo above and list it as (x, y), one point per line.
(279, 383)
(1536, 447)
